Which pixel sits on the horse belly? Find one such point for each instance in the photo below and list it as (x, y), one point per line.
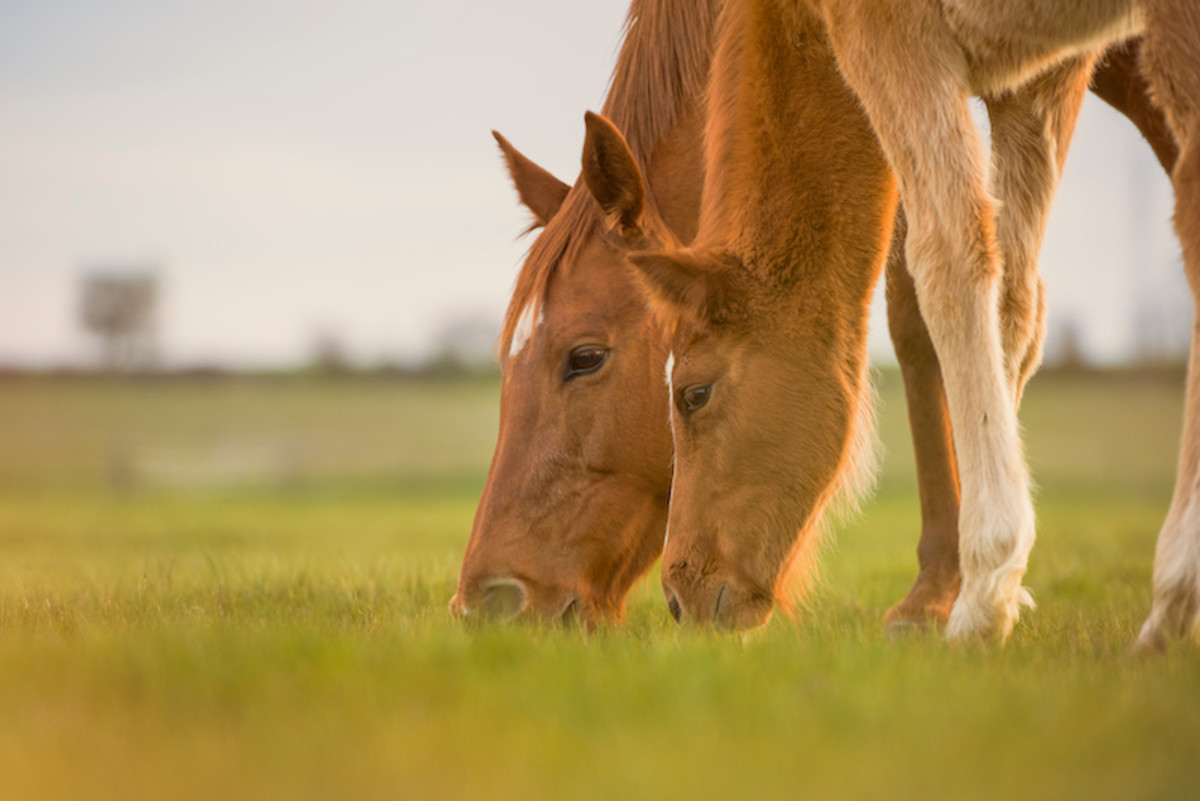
(1009, 42)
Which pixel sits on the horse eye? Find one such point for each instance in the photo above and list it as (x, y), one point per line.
(583, 360)
(695, 396)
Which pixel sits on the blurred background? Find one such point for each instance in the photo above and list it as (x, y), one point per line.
(245, 195)
(314, 183)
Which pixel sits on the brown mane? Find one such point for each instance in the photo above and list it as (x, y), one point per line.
(663, 65)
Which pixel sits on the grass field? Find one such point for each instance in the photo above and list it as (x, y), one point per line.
(273, 624)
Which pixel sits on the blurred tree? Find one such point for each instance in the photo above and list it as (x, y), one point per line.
(120, 308)
(1064, 348)
(1162, 332)
(329, 353)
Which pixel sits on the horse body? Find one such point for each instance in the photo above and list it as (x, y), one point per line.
(971, 245)
(965, 250)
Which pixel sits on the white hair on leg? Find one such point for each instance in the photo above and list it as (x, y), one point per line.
(671, 423)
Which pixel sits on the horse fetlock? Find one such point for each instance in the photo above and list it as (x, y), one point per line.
(1175, 613)
(1172, 617)
(928, 602)
(988, 608)
(994, 555)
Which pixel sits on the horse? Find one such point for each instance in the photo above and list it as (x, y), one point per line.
(575, 502)
(581, 568)
(768, 306)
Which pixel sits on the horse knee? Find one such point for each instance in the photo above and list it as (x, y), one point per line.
(955, 273)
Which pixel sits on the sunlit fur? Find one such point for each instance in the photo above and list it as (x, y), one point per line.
(1119, 82)
(574, 507)
(770, 307)
(972, 240)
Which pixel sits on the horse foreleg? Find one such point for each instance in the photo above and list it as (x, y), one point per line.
(1171, 60)
(936, 587)
(1031, 131)
(917, 100)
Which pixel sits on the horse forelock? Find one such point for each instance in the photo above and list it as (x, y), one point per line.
(560, 242)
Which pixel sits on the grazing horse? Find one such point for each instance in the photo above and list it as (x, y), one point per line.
(576, 497)
(516, 562)
(768, 318)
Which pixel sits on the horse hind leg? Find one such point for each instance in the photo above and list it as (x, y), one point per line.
(1176, 606)
(1171, 61)
(1031, 131)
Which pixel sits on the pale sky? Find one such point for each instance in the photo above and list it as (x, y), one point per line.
(303, 167)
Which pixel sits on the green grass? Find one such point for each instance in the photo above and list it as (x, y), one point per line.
(289, 638)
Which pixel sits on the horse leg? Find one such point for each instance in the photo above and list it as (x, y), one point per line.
(1176, 606)
(917, 100)
(1119, 82)
(1031, 131)
(936, 587)
(1171, 61)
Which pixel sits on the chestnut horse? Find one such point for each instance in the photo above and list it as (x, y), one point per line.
(581, 567)
(768, 306)
(576, 497)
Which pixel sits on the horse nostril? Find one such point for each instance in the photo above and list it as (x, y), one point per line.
(721, 593)
(572, 613)
(504, 599)
(673, 605)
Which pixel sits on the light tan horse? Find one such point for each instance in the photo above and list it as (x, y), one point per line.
(755, 299)
(771, 407)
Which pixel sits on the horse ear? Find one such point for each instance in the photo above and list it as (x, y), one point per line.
(612, 175)
(540, 191)
(679, 284)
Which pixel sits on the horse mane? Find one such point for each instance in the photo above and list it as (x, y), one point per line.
(662, 67)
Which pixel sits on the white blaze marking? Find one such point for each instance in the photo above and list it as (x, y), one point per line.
(527, 323)
(671, 421)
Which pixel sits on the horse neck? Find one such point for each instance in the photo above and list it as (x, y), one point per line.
(797, 187)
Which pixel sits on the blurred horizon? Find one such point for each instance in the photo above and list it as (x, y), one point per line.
(317, 177)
